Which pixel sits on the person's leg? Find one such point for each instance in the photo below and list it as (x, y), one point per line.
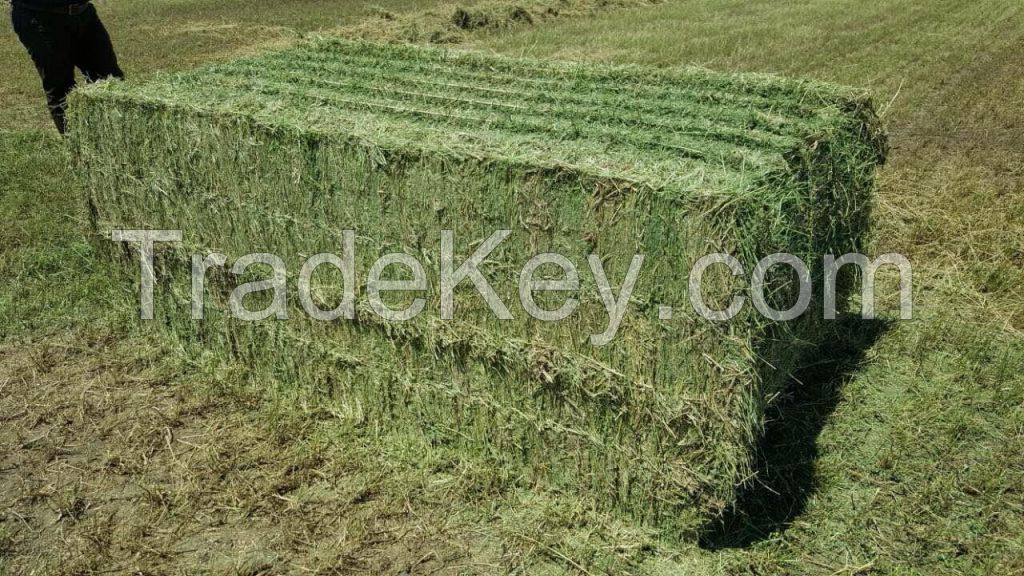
(46, 38)
(94, 52)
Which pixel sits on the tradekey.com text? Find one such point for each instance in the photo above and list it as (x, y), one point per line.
(561, 276)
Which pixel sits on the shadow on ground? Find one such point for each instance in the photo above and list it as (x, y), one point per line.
(786, 460)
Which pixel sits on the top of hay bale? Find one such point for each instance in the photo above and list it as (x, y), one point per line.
(677, 132)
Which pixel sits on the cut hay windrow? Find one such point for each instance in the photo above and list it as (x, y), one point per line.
(280, 153)
(451, 22)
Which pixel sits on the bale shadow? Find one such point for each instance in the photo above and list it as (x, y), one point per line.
(788, 451)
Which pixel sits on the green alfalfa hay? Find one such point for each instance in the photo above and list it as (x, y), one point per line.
(497, 402)
(276, 148)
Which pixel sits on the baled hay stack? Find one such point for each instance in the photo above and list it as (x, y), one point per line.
(280, 153)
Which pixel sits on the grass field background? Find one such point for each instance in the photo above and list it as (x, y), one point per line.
(178, 34)
(904, 453)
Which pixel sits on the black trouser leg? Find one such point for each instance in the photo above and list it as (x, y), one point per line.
(48, 43)
(94, 53)
(57, 44)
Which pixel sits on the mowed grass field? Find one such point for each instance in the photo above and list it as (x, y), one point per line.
(903, 454)
(178, 34)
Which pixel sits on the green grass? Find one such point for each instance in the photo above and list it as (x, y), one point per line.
(178, 34)
(900, 454)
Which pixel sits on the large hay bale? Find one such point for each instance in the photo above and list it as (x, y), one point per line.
(281, 152)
